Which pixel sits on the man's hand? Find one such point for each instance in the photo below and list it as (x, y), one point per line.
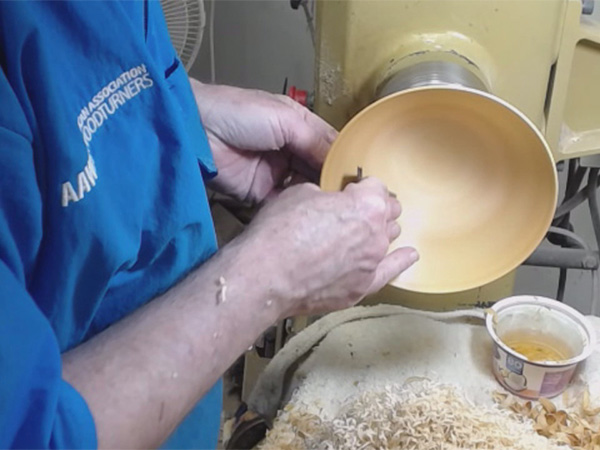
(259, 140)
(327, 250)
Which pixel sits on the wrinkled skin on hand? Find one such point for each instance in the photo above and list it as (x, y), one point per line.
(259, 139)
(317, 251)
(327, 250)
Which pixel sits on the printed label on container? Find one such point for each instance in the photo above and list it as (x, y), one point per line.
(528, 380)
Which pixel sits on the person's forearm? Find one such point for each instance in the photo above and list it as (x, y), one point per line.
(142, 375)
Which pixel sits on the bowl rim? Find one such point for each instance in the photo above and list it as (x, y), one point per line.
(584, 325)
(462, 287)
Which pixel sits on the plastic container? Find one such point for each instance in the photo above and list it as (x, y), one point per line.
(538, 343)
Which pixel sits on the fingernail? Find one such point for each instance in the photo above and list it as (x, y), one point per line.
(414, 256)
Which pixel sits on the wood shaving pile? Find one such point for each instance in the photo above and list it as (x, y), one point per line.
(579, 427)
(419, 415)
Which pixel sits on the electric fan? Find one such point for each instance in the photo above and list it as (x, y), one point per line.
(186, 20)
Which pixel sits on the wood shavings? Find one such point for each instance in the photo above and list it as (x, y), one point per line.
(453, 353)
(579, 427)
(420, 415)
(222, 291)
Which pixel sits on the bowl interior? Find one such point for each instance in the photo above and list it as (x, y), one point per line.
(475, 178)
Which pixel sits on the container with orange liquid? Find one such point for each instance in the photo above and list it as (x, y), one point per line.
(538, 343)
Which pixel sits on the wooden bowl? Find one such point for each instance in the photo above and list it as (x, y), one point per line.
(475, 177)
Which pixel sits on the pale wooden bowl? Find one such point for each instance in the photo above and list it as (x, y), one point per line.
(475, 177)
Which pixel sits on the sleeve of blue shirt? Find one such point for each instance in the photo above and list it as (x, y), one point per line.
(38, 409)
